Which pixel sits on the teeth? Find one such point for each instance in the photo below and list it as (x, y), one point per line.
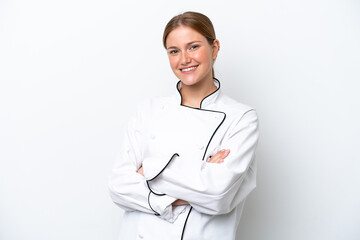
(188, 69)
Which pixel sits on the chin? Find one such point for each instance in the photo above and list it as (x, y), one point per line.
(187, 81)
(191, 81)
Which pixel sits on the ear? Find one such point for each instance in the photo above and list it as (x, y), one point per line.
(216, 48)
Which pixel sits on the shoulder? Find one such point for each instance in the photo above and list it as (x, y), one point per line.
(239, 116)
(233, 107)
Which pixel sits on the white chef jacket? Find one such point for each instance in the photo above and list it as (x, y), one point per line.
(173, 143)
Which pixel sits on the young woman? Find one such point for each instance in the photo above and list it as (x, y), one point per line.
(187, 161)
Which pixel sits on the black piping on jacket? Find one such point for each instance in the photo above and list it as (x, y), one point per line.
(207, 146)
(151, 191)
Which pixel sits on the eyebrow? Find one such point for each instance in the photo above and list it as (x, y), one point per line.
(192, 42)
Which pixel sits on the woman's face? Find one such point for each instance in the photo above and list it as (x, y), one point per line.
(191, 56)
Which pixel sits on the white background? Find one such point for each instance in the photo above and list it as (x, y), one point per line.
(72, 71)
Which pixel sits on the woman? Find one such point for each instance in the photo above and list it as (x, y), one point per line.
(187, 161)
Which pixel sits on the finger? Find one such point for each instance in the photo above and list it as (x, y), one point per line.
(216, 157)
(140, 171)
(226, 153)
(219, 156)
(180, 202)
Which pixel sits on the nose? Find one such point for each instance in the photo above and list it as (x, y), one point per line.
(185, 58)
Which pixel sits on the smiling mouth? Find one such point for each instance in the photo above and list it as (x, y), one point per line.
(188, 69)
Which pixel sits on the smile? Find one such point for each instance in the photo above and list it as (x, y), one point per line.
(188, 69)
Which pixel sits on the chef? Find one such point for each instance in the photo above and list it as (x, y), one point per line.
(187, 161)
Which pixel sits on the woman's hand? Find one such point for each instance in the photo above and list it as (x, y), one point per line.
(180, 202)
(219, 156)
(140, 171)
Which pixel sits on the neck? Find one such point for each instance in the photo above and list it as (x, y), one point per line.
(192, 95)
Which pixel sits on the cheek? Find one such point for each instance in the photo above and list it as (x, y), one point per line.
(203, 56)
(173, 62)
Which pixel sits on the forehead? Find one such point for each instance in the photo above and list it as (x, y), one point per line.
(183, 35)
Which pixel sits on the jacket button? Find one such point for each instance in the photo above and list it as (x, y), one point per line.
(152, 136)
(140, 236)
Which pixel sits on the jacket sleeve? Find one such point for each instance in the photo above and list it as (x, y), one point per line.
(128, 189)
(213, 188)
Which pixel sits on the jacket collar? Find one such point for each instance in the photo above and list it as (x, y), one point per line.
(209, 99)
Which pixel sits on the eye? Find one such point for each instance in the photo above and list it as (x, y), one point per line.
(172, 52)
(194, 47)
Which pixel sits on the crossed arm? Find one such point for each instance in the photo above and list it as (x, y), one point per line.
(217, 158)
(202, 188)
